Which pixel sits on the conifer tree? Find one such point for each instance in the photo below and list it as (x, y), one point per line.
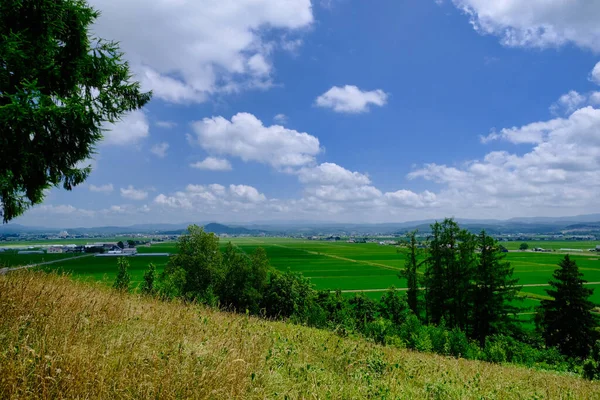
(566, 321)
(494, 290)
(59, 88)
(448, 273)
(410, 272)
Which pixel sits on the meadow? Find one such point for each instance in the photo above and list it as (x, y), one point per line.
(67, 339)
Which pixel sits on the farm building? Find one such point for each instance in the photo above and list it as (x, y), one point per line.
(129, 251)
(55, 250)
(22, 252)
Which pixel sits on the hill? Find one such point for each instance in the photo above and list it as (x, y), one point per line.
(218, 229)
(68, 339)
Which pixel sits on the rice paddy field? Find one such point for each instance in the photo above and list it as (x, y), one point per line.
(349, 267)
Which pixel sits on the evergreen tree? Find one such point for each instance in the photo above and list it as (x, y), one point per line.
(123, 279)
(59, 87)
(434, 277)
(410, 272)
(494, 290)
(566, 321)
(449, 269)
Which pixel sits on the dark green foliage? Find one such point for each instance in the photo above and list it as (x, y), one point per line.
(337, 309)
(394, 307)
(363, 309)
(449, 270)
(199, 256)
(172, 283)
(523, 246)
(493, 291)
(58, 86)
(566, 321)
(148, 286)
(411, 267)
(131, 243)
(288, 294)
(591, 366)
(245, 280)
(121, 245)
(94, 250)
(123, 279)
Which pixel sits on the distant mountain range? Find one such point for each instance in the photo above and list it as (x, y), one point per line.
(579, 223)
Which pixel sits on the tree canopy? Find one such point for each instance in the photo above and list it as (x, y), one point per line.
(59, 86)
(566, 321)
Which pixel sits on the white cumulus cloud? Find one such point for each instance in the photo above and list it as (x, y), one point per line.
(350, 99)
(160, 149)
(108, 188)
(185, 50)
(246, 137)
(537, 23)
(213, 164)
(332, 174)
(595, 74)
(133, 128)
(557, 172)
(134, 194)
(568, 102)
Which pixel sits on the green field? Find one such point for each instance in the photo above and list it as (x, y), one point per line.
(349, 267)
(9, 259)
(554, 244)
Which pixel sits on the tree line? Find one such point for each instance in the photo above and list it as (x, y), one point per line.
(460, 299)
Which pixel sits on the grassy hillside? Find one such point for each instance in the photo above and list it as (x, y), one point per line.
(61, 338)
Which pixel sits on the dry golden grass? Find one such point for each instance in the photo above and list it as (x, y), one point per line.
(65, 339)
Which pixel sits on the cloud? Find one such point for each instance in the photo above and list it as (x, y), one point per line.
(595, 74)
(246, 137)
(557, 172)
(213, 197)
(332, 174)
(160, 149)
(213, 164)
(350, 99)
(132, 129)
(407, 198)
(568, 102)
(536, 23)
(166, 124)
(134, 194)
(280, 118)
(108, 188)
(246, 193)
(187, 50)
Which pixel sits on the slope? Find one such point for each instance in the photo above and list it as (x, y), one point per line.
(65, 339)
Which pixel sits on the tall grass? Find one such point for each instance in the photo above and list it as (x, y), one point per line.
(65, 339)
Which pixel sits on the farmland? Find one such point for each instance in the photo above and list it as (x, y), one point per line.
(349, 267)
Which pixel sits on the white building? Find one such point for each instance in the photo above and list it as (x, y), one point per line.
(55, 250)
(129, 251)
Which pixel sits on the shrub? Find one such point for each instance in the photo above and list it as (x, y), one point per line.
(148, 286)
(123, 279)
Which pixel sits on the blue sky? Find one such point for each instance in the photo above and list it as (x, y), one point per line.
(347, 110)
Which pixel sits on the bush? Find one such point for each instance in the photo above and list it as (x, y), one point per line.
(172, 283)
(123, 279)
(148, 286)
